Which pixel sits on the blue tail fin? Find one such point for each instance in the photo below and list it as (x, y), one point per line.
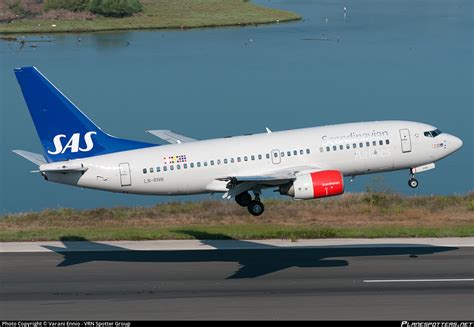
(65, 132)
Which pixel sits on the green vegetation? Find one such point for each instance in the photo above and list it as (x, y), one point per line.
(155, 14)
(371, 215)
(72, 5)
(18, 9)
(115, 8)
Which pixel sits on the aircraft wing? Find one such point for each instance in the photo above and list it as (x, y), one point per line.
(244, 183)
(171, 137)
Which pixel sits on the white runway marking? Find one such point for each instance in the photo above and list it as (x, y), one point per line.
(418, 280)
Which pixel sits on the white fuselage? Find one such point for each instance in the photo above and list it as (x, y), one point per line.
(195, 167)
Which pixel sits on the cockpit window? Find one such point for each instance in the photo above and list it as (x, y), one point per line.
(433, 133)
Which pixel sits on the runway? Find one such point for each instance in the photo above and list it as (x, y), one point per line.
(402, 279)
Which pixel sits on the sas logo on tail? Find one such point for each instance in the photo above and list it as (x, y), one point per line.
(73, 143)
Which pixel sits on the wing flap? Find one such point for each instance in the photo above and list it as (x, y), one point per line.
(242, 183)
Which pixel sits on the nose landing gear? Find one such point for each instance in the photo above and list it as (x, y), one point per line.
(412, 181)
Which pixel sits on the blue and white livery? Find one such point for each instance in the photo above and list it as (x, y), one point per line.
(303, 163)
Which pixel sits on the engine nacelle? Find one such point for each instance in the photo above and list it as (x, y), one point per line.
(319, 184)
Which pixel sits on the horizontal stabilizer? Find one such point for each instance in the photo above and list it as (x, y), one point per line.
(35, 158)
(63, 168)
(171, 137)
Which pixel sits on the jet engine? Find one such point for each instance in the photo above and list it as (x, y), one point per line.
(314, 185)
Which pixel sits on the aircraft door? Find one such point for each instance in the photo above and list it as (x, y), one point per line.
(405, 139)
(276, 159)
(125, 176)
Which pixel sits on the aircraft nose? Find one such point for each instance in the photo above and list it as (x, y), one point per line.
(456, 142)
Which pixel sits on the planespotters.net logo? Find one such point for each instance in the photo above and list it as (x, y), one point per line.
(437, 324)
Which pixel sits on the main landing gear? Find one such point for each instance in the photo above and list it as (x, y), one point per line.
(255, 207)
(412, 181)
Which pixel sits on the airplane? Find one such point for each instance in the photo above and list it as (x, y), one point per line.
(305, 163)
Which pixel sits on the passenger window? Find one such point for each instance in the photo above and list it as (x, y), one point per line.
(238, 159)
(171, 167)
(252, 157)
(328, 149)
(361, 144)
(268, 155)
(225, 161)
(151, 170)
(205, 163)
(178, 166)
(282, 154)
(374, 143)
(334, 147)
(259, 157)
(275, 154)
(295, 152)
(191, 165)
(165, 168)
(185, 166)
(387, 142)
(321, 149)
(246, 158)
(301, 152)
(288, 153)
(341, 147)
(212, 162)
(308, 151)
(367, 143)
(144, 170)
(348, 146)
(354, 145)
(218, 161)
(158, 169)
(199, 164)
(232, 160)
(380, 142)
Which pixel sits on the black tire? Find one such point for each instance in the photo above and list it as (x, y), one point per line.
(256, 208)
(413, 183)
(243, 199)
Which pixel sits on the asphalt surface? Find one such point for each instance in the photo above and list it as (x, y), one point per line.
(396, 281)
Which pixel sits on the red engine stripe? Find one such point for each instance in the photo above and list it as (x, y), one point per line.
(327, 183)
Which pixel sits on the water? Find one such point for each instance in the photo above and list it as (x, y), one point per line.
(407, 59)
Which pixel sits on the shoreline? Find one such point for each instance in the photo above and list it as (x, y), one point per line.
(170, 15)
(10, 36)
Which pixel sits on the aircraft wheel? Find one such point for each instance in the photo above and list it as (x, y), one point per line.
(256, 208)
(413, 183)
(243, 199)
